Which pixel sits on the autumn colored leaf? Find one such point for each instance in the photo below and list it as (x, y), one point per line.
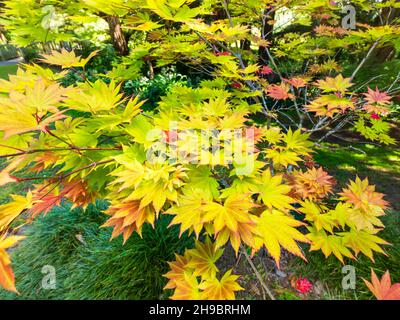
(277, 230)
(11, 210)
(279, 92)
(328, 244)
(177, 273)
(383, 289)
(235, 210)
(377, 97)
(203, 258)
(329, 105)
(364, 242)
(189, 213)
(337, 84)
(297, 82)
(127, 217)
(224, 289)
(188, 288)
(274, 193)
(6, 272)
(363, 195)
(313, 183)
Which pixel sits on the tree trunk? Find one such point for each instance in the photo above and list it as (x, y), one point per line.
(117, 36)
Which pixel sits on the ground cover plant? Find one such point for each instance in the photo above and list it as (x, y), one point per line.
(229, 150)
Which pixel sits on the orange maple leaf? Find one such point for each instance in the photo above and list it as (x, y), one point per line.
(6, 272)
(383, 289)
(375, 96)
(279, 92)
(127, 217)
(297, 82)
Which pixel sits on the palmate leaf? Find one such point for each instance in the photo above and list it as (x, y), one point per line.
(11, 210)
(364, 242)
(94, 97)
(189, 212)
(329, 105)
(66, 59)
(276, 230)
(234, 210)
(187, 288)
(127, 217)
(337, 84)
(6, 273)
(273, 193)
(203, 258)
(383, 289)
(224, 289)
(328, 244)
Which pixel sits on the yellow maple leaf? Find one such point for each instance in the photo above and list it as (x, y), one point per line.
(189, 212)
(274, 193)
(337, 84)
(224, 289)
(203, 258)
(11, 210)
(66, 59)
(276, 230)
(328, 244)
(364, 242)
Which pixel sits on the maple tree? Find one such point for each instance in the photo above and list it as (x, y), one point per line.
(259, 190)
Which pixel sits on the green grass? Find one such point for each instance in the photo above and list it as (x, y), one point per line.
(88, 265)
(6, 70)
(382, 166)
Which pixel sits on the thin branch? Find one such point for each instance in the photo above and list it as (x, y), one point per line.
(258, 275)
(365, 59)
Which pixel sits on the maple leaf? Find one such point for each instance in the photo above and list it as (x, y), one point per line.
(127, 217)
(297, 82)
(44, 199)
(6, 272)
(224, 289)
(203, 258)
(283, 157)
(364, 242)
(234, 210)
(314, 213)
(11, 210)
(329, 105)
(328, 244)
(189, 213)
(232, 220)
(66, 59)
(17, 118)
(337, 84)
(245, 233)
(375, 110)
(265, 70)
(277, 230)
(383, 289)
(313, 184)
(363, 196)
(279, 92)
(177, 273)
(377, 97)
(96, 97)
(188, 288)
(274, 193)
(78, 193)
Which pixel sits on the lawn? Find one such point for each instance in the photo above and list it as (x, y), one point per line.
(7, 70)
